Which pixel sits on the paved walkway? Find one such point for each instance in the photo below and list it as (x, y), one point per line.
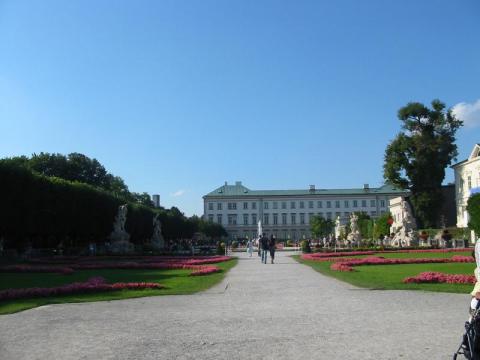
(280, 311)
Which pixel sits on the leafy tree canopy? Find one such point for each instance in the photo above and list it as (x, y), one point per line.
(416, 159)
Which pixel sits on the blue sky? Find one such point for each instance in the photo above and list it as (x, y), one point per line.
(177, 97)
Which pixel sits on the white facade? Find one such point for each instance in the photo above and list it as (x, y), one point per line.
(396, 211)
(287, 213)
(467, 180)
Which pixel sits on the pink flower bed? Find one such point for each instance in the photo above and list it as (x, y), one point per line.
(94, 284)
(199, 265)
(317, 256)
(438, 277)
(346, 265)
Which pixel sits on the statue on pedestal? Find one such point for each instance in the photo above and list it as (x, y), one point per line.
(157, 240)
(119, 238)
(354, 236)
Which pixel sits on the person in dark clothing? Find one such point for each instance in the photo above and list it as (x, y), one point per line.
(271, 247)
(264, 246)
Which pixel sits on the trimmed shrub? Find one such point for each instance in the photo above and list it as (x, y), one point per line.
(305, 246)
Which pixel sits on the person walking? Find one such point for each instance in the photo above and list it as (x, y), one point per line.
(264, 246)
(271, 246)
(249, 248)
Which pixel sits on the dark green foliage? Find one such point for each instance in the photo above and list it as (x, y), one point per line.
(305, 246)
(416, 159)
(321, 227)
(473, 208)
(42, 212)
(382, 227)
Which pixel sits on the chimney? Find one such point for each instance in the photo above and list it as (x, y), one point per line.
(312, 188)
(156, 200)
(366, 187)
(238, 183)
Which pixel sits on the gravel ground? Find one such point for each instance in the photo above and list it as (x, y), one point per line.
(280, 311)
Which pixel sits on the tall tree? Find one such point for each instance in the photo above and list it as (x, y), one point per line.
(416, 159)
(320, 227)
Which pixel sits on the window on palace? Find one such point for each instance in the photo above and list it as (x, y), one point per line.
(245, 205)
(469, 181)
(275, 205)
(337, 204)
(337, 214)
(302, 205)
(310, 216)
(329, 216)
(265, 205)
(266, 219)
(210, 218)
(232, 219)
(254, 205)
(284, 204)
(284, 219)
(382, 203)
(245, 219)
(345, 204)
(275, 219)
(210, 206)
(292, 205)
(219, 218)
(302, 218)
(219, 206)
(373, 203)
(293, 218)
(329, 204)
(355, 203)
(310, 204)
(364, 203)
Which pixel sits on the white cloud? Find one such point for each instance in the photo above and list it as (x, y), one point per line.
(178, 193)
(468, 113)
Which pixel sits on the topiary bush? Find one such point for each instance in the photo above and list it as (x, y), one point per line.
(473, 208)
(305, 246)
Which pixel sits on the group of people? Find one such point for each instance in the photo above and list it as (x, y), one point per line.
(265, 246)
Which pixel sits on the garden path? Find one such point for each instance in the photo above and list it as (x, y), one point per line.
(280, 311)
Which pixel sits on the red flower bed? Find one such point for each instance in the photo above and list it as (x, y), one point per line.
(346, 264)
(94, 284)
(36, 269)
(438, 277)
(198, 265)
(317, 256)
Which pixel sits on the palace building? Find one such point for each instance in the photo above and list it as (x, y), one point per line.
(287, 213)
(467, 183)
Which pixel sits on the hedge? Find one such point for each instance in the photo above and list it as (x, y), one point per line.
(45, 211)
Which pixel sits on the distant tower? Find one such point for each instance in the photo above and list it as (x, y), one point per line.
(156, 200)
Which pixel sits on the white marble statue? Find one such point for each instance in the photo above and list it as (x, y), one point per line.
(354, 236)
(406, 234)
(157, 240)
(337, 228)
(119, 237)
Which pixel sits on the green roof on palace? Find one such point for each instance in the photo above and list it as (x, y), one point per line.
(239, 190)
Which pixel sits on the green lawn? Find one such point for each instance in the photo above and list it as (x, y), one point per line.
(176, 282)
(389, 277)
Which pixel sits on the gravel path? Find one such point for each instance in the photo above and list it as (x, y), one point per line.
(280, 311)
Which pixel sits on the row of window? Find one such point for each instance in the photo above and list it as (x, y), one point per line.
(469, 183)
(337, 204)
(252, 219)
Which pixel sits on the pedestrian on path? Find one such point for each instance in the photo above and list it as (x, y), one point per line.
(249, 248)
(271, 246)
(259, 245)
(264, 246)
